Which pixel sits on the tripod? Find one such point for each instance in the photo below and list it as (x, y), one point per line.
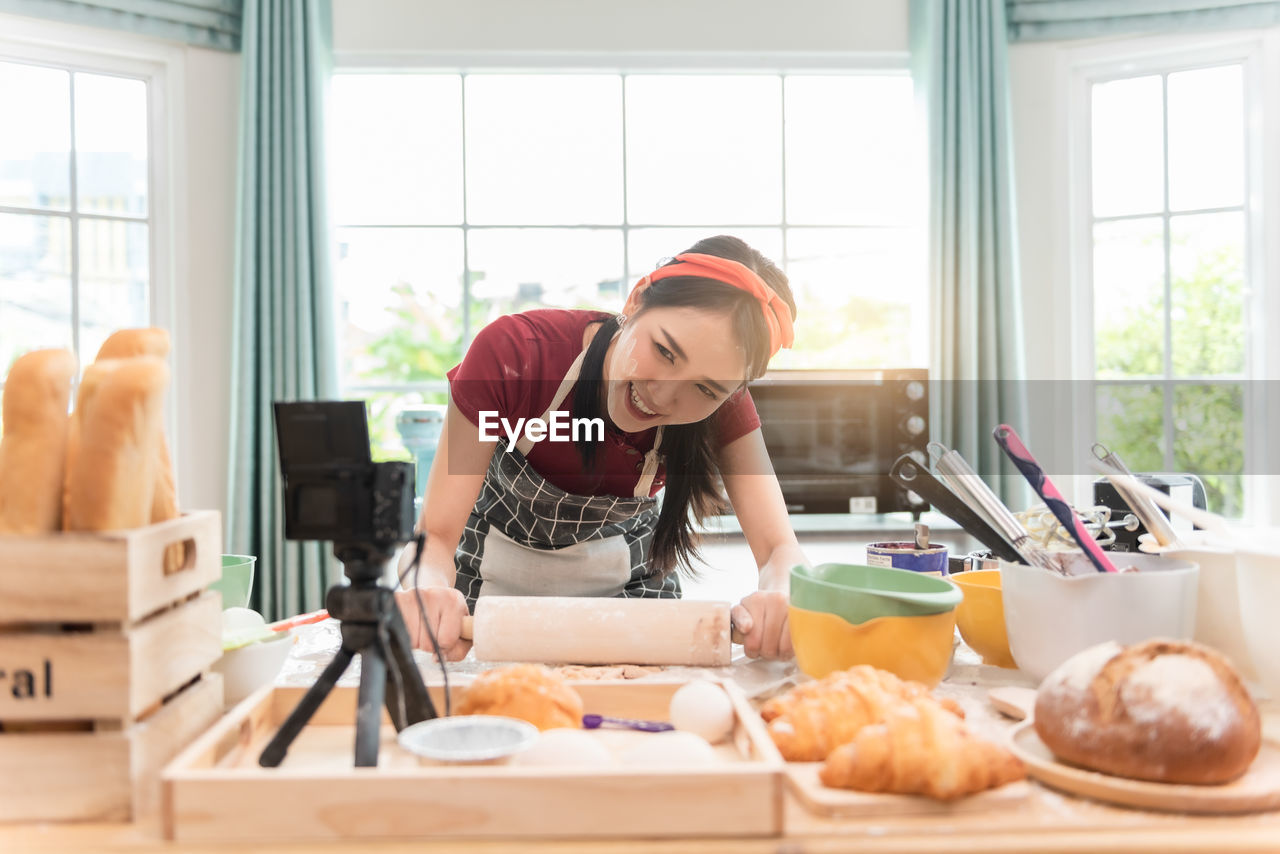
(373, 628)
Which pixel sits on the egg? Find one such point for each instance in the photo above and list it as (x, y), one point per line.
(571, 747)
(703, 708)
(669, 748)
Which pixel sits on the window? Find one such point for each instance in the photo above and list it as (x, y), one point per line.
(461, 197)
(1169, 244)
(75, 206)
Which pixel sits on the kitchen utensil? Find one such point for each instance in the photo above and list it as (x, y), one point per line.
(597, 721)
(1256, 791)
(980, 617)
(960, 477)
(917, 648)
(1050, 617)
(299, 620)
(1007, 438)
(1147, 512)
(1209, 521)
(858, 593)
(467, 738)
(909, 474)
(597, 630)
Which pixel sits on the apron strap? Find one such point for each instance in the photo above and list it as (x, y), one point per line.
(652, 459)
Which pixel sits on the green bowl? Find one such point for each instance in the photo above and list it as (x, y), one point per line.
(236, 581)
(858, 593)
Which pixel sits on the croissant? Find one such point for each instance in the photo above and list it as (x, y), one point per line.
(530, 692)
(920, 750)
(812, 719)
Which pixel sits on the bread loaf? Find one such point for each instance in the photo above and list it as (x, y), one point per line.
(112, 474)
(530, 692)
(152, 341)
(36, 394)
(1161, 710)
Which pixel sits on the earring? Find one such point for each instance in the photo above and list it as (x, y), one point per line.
(622, 318)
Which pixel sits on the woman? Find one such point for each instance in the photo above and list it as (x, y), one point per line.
(510, 511)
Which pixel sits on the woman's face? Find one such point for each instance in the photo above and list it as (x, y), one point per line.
(671, 366)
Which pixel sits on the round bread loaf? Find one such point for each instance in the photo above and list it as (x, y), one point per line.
(1160, 710)
(530, 692)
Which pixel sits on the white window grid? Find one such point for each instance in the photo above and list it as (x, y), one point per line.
(872, 65)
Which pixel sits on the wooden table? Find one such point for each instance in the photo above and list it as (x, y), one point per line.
(1047, 822)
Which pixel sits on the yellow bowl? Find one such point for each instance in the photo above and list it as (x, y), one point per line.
(917, 648)
(980, 617)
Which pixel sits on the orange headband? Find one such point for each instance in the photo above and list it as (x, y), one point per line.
(777, 316)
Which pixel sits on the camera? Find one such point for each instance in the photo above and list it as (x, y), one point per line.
(333, 490)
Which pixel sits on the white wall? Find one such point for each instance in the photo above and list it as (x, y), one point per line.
(206, 215)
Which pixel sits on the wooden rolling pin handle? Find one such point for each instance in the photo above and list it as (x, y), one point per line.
(468, 631)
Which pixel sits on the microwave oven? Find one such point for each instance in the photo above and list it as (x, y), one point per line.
(833, 436)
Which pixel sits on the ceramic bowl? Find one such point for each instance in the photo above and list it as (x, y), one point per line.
(980, 617)
(917, 648)
(247, 668)
(857, 593)
(1051, 617)
(1219, 623)
(468, 738)
(1258, 566)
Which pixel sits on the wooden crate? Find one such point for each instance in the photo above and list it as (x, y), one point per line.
(107, 577)
(215, 789)
(104, 662)
(110, 774)
(107, 671)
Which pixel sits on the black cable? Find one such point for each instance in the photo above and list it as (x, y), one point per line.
(420, 543)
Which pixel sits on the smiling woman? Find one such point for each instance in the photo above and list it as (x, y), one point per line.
(666, 380)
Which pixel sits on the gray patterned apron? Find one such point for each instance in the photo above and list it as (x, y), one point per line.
(527, 537)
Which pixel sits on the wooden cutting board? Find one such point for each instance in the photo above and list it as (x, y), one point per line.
(847, 803)
(1256, 791)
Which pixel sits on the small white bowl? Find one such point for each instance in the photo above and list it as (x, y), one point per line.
(1051, 617)
(247, 668)
(468, 738)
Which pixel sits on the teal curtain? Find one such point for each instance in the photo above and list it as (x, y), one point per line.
(960, 70)
(1079, 19)
(204, 23)
(285, 341)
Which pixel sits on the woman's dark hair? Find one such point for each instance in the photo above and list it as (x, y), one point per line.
(693, 490)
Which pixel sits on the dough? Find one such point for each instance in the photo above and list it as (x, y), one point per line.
(669, 748)
(572, 747)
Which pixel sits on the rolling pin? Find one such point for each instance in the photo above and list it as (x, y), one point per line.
(585, 630)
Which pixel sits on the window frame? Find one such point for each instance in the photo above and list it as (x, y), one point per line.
(161, 67)
(1259, 55)
(768, 63)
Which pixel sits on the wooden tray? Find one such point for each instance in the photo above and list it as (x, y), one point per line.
(215, 790)
(107, 577)
(1257, 791)
(846, 803)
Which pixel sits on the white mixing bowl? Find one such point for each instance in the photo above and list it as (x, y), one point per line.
(1050, 617)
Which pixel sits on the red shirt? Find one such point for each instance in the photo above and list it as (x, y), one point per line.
(514, 367)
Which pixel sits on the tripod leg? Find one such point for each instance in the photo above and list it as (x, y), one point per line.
(273, 754)
(417, 702)
(373, 686)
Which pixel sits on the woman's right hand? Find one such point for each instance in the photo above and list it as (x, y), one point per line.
(445, 607)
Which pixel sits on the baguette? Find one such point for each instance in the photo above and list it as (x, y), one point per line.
(113, 471)
(152, 341)
(36, 395)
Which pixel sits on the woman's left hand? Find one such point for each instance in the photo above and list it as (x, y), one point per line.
(762, 619)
